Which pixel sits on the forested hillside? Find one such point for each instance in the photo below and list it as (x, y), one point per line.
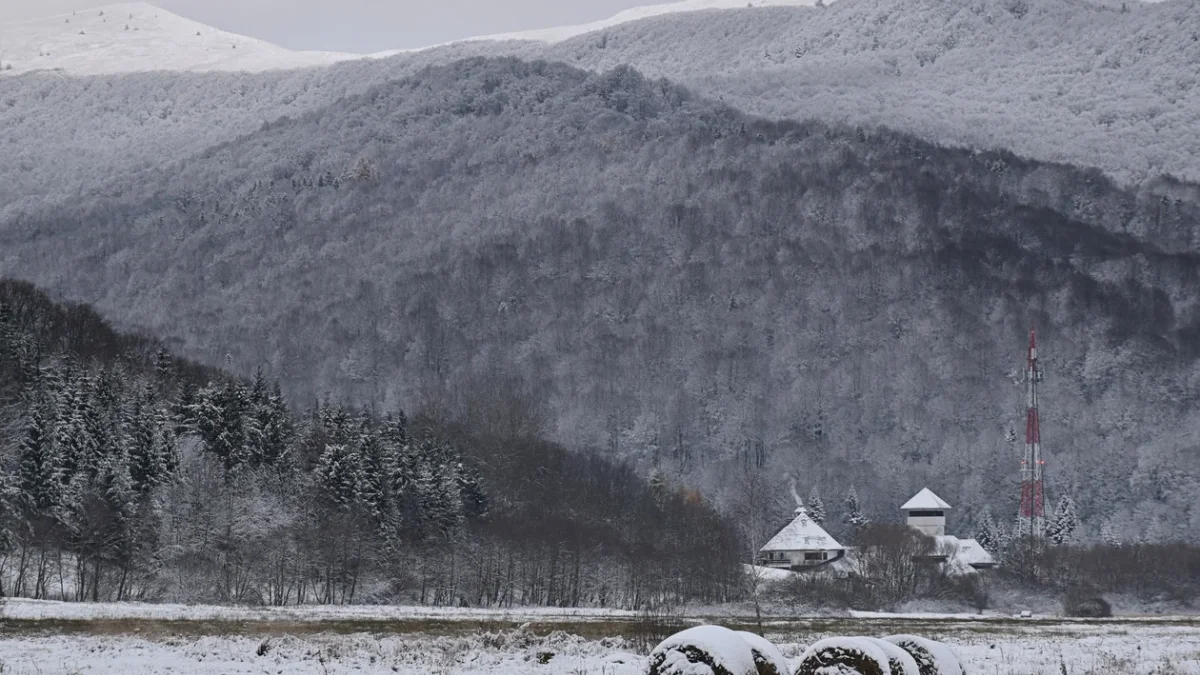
(1060, 80)
(1111, 85)
(673, 282)
(126, 473)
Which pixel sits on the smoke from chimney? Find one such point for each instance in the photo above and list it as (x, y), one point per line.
(795, 495)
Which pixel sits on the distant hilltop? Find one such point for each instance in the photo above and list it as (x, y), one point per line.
(139, 37)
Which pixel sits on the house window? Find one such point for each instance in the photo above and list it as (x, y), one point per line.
(926, 514)
(815, 555)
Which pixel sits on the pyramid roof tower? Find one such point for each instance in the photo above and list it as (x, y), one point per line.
(925, 500)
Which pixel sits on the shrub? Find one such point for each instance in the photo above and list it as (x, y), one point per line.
(1086, 606)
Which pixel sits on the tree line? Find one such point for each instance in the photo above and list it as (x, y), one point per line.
(127, 473)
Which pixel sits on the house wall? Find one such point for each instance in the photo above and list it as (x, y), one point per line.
(791, 559)
(934, 526)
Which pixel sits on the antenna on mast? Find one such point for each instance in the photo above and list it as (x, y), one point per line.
(1031, 519)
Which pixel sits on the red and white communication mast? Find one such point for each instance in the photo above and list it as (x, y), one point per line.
(1031, 521)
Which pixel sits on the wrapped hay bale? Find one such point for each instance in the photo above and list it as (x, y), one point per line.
(933, 658)
(703, 650)
(768, 660)
(844, 656)
(900, 661)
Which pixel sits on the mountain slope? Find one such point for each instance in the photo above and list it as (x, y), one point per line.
(1058, 80)
(560, 33)
(132, 37)
(1067, 81)
(675, 282)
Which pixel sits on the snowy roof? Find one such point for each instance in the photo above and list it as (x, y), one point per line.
(965, 551)
(925, 499)
(970, 552)
(802, 534)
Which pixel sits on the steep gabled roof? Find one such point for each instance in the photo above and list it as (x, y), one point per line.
(925, 499)
(802, 534)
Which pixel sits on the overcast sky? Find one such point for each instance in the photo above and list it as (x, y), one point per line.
(358, 25)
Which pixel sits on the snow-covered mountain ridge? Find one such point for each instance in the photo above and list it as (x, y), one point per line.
(136, 36)
(139, 37)
(561, 33)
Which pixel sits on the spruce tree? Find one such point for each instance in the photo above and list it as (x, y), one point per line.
(164, 371)
(275, 425)
(145, 448)
(339, 474)
(985, 531)
(220, 416)
(184, 410)
(816, 506)
(256, 419)
(73, 440)
(376, 471)
(395, 429)
(854, 518)
(39, 470)
(1064, 522)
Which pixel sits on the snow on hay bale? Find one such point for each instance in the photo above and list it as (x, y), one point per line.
(900, 661)
(768, 660)
(933, 658)
(844, 656)
(703, 650)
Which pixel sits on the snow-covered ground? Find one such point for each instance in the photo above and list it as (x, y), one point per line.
(1074, 649)
(1128, 647)
(20, 608)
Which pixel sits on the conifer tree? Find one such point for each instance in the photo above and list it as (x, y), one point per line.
(339, 473)
(816, 506)
(219, 415)
(376, 470)
(854, 518)
(146, 451)
(985, 531)
(39, 470)
(395, 429)
(73, 441)
(275, 426)
(184, 409)
(1064, 522)
(164, 371)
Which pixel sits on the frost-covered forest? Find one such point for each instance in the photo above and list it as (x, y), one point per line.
(1060, 80)
(127, 473)
(676, 284)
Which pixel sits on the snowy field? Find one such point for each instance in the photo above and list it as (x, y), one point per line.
(52, 638)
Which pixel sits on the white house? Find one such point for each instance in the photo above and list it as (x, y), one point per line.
(801, 544)
(927, 512)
